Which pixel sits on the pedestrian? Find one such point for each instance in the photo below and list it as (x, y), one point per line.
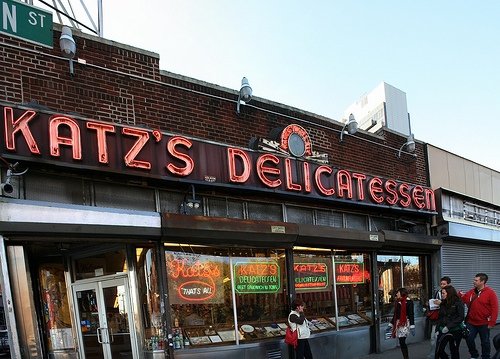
(297, 321)
(403, 320)
(496, 344)
(482, 313)
(450, 323)
(433, 315)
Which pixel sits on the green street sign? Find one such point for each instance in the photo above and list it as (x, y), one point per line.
(26, 22)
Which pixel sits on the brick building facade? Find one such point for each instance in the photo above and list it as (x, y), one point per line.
(89, 229)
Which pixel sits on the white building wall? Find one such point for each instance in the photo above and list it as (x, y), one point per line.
(383, 106)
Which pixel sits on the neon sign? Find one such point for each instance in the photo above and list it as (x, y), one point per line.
(310, 276)
(350, 272)
(63, 140)
(251, 276)
(194, 278)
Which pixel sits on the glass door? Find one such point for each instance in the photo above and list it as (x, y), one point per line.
(104, 317)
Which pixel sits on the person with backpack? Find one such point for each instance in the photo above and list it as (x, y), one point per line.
(433, 315)
(450, 323)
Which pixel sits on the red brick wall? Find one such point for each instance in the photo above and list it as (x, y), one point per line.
(97, 91)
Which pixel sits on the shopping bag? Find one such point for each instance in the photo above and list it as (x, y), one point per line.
(433, 314)
(291, 337)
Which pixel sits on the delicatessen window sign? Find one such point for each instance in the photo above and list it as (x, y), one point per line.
(194, 278)
(350, 272)
(312, 276)
(256, 275)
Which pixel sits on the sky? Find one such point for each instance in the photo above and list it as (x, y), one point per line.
(321, 56)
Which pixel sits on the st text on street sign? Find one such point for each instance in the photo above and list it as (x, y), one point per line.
(26, 22)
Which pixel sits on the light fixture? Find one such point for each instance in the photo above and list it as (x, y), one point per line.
(68, 46)
(245, 94)
(189, 204)
(351, 125)
(409, 144)
(6, 187)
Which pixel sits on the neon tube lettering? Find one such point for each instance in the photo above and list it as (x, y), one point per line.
(189, 162)
(142, 139)
(263, 170)
(102, 145)
(56, 140)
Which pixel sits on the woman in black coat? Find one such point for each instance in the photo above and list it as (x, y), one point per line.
(449, 327)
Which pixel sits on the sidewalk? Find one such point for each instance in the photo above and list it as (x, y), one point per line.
(421, 350)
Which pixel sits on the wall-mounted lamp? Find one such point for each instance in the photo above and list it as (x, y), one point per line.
(6, 187)
(68, 46)
(351, 125)
(409, 144)
(189, 204)
(245, 94)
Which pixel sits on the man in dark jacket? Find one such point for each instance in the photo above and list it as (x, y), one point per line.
(482, 305)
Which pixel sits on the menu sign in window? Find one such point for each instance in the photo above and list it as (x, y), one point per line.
(310, 276)
(194, 278)
(253, 275)
(350, 272)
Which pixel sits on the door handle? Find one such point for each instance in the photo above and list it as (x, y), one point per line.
(112, 336)
(98, 331)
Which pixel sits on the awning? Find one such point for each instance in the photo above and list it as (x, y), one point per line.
(44, 218)
(411, 241)
(228, 231)
(338, 237)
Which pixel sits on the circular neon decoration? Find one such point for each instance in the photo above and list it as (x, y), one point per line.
(296, 141)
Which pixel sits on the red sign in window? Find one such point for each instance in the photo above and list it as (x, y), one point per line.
(350, 273)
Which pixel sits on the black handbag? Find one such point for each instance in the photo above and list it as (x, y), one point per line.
(464, 330)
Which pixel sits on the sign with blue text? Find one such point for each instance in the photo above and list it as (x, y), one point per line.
(26, 22)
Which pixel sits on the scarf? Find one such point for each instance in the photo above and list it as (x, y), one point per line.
(401, 322)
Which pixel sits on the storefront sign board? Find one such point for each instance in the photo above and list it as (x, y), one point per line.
(194, 278)
(350, 272)
(311, 276)
(256, 275)
(64, 140)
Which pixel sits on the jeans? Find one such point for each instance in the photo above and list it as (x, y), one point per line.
(303, 350)
(451, 339)
(433, 341)
(484, 334)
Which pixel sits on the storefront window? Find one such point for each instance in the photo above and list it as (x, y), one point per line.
(96, 265)
(149, 293)
(55, 306)
(313, 278)
(205, 283)
(260, 293)
(199, 287)
(353, 280)
(401, 271)
(316, 271)
(414, 281)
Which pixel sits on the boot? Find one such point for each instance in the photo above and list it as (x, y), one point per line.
(405, 353)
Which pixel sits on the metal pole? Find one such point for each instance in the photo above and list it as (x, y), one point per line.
(99, 17)
(10, 317)
(235, 311)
